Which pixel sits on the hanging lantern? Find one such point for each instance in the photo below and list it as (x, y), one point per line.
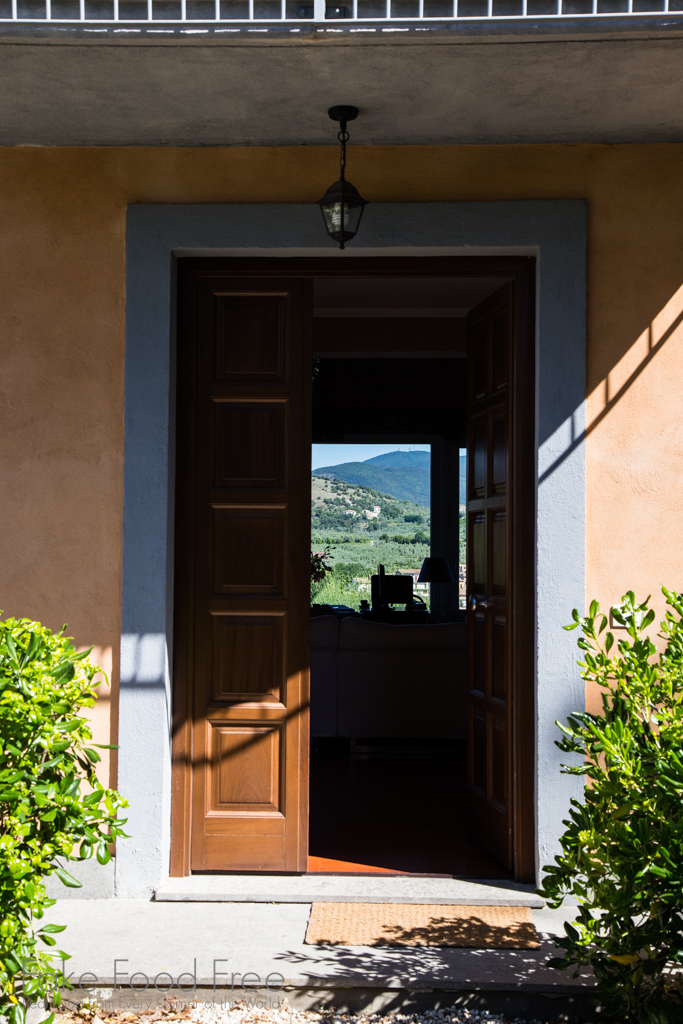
(342, 205)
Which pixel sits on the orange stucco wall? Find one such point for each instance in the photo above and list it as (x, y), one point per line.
(62, 223)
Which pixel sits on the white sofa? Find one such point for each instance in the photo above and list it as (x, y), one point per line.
(376, 679)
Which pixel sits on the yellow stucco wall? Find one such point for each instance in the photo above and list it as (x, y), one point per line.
(62, 223)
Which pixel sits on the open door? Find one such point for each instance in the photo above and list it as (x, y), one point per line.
(242, 565)
(495, 689)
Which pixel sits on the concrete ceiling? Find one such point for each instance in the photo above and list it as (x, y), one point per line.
(538, 82)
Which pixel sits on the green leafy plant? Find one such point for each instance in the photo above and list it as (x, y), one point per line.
(622, 852)
(320, 564)
(46, 757)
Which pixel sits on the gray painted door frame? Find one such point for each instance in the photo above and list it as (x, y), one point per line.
(553, 232)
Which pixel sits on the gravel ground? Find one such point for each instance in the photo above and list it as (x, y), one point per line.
(285, 1015)
(241, 1013)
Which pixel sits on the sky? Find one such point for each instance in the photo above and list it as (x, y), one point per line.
(336, 454)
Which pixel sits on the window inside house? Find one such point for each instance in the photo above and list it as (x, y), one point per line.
(370, 506)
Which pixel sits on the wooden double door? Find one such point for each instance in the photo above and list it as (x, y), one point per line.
(241, 687)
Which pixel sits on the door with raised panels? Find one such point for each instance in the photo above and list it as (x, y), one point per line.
(241, 586)
(500, 594)
(242, 553)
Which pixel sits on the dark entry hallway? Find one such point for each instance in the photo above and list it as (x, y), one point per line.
(394, 810)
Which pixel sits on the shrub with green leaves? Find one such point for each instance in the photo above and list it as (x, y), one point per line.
(622, 852)
(46, 757)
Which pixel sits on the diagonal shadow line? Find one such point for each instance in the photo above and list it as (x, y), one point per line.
(188, 760)
(439, 966)
(470, 931)
(611, 402)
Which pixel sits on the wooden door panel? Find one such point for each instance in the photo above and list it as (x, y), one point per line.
(478, 329)
(477, 748)
(489, 573)
(499, 771)
(263, 320)
(257, 852)
(249, 551)
(252, 450)
(499, 452)
(477, 639)
(498, 541)
(501, 322)
(244, 371)
(248, 654)
(244, 769)
(499, 659)
(478, 457)
(477, 534)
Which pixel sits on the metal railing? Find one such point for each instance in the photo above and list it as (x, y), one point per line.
(154, 14)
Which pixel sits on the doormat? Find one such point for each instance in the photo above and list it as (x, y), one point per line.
(421, 924)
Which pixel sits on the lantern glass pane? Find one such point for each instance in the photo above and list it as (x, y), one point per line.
(332, 212)
(332, 215)
(352, 215)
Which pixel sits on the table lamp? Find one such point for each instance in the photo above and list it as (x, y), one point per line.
(436, 570)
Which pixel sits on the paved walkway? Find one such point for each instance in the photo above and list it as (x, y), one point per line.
(259, 947)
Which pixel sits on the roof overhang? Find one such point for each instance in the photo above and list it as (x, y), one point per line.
(586, 80)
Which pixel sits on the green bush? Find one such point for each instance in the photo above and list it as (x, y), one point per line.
(622, 852)
(46, 755)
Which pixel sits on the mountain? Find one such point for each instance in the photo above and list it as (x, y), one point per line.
(392, 459)
(410, 483)
(403, 475)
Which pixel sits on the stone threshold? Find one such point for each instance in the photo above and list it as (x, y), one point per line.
(234, 888)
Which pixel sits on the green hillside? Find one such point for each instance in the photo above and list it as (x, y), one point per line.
(398, 537)
(403, 475)
(411, 483)
(338, 505)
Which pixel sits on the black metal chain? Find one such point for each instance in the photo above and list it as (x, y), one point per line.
(343, 137)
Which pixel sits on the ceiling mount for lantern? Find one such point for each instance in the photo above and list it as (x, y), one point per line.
(343, 114)
(342, 205)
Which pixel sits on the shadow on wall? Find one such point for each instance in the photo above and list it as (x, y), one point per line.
(622, 377)
(143, 658)
(143, 663)
(102, 716)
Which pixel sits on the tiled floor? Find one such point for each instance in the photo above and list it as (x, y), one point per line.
(392, 813)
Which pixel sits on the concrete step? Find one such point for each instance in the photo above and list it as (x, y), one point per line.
(127, 953)
(346, 889)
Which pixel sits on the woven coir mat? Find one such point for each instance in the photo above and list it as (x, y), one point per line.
(420, 924)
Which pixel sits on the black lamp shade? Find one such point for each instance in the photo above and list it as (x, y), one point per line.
(436, 570)
(342, 208)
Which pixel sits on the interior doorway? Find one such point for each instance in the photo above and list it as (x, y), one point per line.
(242, 533)
(388, 781)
